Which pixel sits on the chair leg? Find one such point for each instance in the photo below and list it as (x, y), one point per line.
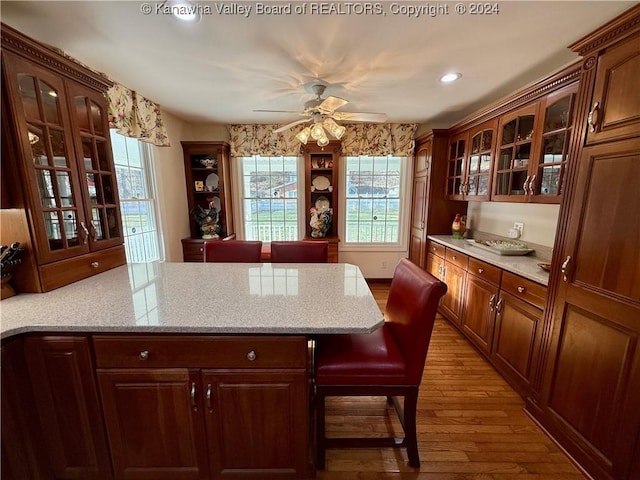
(320, 432)
(410, 433)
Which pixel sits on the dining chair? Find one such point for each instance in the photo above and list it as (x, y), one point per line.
(387, 362)
(300, 252)
(238, 251)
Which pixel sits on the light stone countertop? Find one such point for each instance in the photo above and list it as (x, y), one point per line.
(202, 298)
(524, 265)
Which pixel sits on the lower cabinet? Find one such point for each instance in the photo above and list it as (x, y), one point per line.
(479, 314)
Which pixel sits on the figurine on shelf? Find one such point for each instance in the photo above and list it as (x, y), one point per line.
(320, 222)
(208, 219)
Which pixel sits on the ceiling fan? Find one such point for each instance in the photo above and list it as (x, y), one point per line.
(322, 112)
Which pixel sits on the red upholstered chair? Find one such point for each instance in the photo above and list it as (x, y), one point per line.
(300, 252)
(387, 362)
(236, 251)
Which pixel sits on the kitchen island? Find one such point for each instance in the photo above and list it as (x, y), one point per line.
(180, 371)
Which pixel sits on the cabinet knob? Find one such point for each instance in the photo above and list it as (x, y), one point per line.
(95, 264)
(144, 355)
(481, 270)
(251, 356)
(521, 289)
(201, 249)
(453, 257)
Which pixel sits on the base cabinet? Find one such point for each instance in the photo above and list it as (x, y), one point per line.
(479, 312)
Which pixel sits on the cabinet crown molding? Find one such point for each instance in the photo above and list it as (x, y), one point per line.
(622, 26)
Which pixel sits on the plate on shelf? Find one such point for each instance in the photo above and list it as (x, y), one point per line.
(215, 201)
(211, 182)
(502, 247)
(321, 182)
(322, 204)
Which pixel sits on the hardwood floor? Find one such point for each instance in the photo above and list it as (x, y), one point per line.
(471, 425)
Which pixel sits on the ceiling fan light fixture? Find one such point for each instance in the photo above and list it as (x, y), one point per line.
(317, 131)
(323, 141)
(303, 135)
(333, 128)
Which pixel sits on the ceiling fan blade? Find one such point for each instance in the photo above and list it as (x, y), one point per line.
(361, 117)
(292, 124)
(331, 104)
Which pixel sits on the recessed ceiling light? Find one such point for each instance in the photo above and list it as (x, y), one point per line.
(450, 77)
(183, 10)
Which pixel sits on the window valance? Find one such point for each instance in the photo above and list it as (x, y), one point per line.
(135, 116)
(374, 139)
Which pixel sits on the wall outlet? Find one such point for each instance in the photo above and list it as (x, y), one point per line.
(519, 226)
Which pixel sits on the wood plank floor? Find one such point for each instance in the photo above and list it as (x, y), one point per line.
(471, 425)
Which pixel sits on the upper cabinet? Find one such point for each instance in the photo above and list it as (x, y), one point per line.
(456, 166)
(59, 158)
(482, 140)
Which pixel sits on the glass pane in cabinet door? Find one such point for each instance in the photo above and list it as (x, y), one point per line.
(502, 186)
(553, 148)
(509, 132)
(27, 86)
(70, 228)
(476, 143)
(58, 148)
(93, 188)
(36, 140)
(49, 97)
(474, 163)
(87, 154)
(525, 127)
(504, 162)
(485, 162)
(517, 182)
(558, 115)
(65, 191)
(112, 222)
(483, 185)
(96, 222)
(45, 187)
(550, 180)
(487, 138)
(96, 119)
(103, 155)
(82, 116)
(473, 185)
(522, 156)
(108, 189)
(52, 227)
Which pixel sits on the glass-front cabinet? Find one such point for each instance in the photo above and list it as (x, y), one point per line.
(457, 166)
(479, 165)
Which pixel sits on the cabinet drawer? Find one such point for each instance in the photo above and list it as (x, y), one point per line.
(529, 291)
(193, 250)
(144, 351)
(457, 258)
(436, 248)
(485, 271)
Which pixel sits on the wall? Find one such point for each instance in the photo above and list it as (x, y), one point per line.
(539, 220)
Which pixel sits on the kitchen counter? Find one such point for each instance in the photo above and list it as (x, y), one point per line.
(525, 265)
(202, 298)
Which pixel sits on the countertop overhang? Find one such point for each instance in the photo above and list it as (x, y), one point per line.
(202, 298)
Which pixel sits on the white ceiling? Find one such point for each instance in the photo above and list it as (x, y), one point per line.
(223, 67)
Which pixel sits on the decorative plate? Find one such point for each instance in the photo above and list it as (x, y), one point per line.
(322, 204)
(215, 201)
(211, 182)
(321, 182)
(209, 162)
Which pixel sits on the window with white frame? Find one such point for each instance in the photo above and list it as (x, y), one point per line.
(374, 200)
(133, 164)
(270, 187)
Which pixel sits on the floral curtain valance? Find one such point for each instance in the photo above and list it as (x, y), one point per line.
(359, 139)
(253, 139)
(377, 139)
(135, 116)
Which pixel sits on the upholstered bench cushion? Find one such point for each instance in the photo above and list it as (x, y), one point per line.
(362, 359)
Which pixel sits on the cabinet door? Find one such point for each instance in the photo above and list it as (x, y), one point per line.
(48, 168)
(257, 423)
(451, 303)
(67, 404)
(478, 174)
(418, 238)
(517, 149)
(435, 266)
(457, 166)
(615, 108)
(155, 425)
(96, 168)
(479, 312)
(515, 341)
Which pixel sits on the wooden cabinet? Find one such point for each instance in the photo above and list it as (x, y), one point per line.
(208, 177)
(450, 267)
(67, 406)
(193, 249)
(457, 166)
(59, 154)
(591, 379)
(431, 212)
(205, 407)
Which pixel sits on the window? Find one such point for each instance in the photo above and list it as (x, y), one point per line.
(270, 197)
(373, 200)
(132, 160)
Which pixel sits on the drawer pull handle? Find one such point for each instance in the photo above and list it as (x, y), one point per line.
(492, 303)
(251, 356)
(144, 355)
(594, 117)
(95, 264)
(85, 233)
(481, 270)
(208, 396)
(565, 268)
(499, 306)
(193, 394)
(521, 289)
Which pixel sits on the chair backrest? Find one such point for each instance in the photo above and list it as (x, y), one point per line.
(237, 251)
(300, 252)
(410, 313)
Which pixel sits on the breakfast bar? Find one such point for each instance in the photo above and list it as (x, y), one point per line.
(182, 371)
